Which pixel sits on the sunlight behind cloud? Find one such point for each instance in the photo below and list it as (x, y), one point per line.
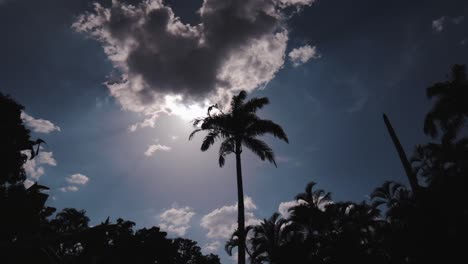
(188, 112)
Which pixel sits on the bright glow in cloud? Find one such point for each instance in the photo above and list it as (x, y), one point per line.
(168, 67)
(176, 220)
(39, 125)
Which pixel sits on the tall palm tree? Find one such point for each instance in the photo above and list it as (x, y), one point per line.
(237, 128)
(450, 110)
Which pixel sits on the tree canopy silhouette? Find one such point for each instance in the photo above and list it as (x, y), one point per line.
(29, 233)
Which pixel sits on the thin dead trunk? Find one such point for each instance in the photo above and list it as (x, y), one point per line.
(404, 160)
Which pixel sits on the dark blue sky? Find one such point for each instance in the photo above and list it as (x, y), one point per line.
(375, 56)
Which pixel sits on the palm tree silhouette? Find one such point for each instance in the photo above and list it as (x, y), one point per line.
(267, 240)
(450, 110)
(237, 128)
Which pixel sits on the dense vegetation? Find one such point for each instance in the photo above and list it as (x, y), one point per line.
(426, 223)
(31, 233)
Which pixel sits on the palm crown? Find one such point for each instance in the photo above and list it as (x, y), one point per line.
(239, 127)
(450, 109)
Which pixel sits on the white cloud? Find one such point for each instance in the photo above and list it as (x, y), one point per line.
(212, 247)
(70, 188)
(284, 207)
(33, 167)
(438, 24)
(39, 125)
(301, 55)
(221, 222)
(156, 147)
(174, 137)
(176, 220)
(179, 69)
(296, 2)
(28, 183)
(77, 178)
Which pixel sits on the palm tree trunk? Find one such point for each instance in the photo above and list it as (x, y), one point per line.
(404, 160)
(240, 206)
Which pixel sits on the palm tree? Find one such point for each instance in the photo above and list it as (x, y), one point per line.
(237, 128)
(267, 240)
(308, 217)
(394, 196)
(450, 110)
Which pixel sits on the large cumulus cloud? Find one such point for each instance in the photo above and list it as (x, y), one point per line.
(238, 44)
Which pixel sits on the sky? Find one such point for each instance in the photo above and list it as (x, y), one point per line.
(111, 86)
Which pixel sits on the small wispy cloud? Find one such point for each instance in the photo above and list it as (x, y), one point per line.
(301, 55)
(438, 24)
(156, 147)
(78, 178)
(458, 20)
(74, 180)
(70, 188)
(39, 125)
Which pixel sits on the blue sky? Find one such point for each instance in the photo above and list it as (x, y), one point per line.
(363, 58)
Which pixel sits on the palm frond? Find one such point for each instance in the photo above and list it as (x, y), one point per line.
(254, 104)
(260, 127)
(260, 148)
(193, 133)
(226, 148)
(209, 140)
(238, 100)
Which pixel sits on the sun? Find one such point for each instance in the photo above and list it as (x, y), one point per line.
(187, 112)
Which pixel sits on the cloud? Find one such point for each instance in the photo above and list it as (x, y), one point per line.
(166, 66)
(176, 220)
(39, 125)
(284, 207)
(458, 20)
(212, 246)
(70, 188)
(301, 55)
(33, 167)
(27, 183)
(221, 222)
(156, 147)
(77, 178)
(438, 24)
(297, 3)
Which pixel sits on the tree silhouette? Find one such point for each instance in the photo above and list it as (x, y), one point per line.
(29, 233)
(239, 127)
(450, 109)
